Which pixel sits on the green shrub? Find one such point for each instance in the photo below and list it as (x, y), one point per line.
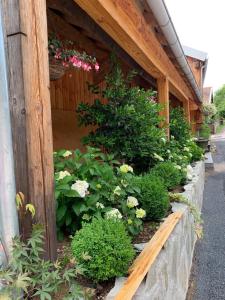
(88, 185)
(169, 173)
(179, 127)
(204, 131)
(196, 151)
(153, 196)
(128, 124)
(103, 248)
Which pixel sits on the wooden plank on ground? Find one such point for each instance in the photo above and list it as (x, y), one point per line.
(147, 257)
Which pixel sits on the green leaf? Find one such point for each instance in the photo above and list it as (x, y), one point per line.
(79, 207)
(61, 211)
(71, 193)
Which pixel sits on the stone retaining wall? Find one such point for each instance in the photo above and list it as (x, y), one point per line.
(168, 277)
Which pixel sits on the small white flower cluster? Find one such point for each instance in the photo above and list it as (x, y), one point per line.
(114, 213)
(177, 167)
(163, 140)
(117, 191)
(187, 149)
(190, 171)
(132, 202)
(140, 213)
(63, 174)
(158, 157)
(126, 169)
(67, 153)
(81, 186)
(99, 205)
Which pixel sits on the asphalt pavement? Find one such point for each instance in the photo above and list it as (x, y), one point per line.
(207, 281)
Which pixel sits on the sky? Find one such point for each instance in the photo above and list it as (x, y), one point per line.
(200, 24)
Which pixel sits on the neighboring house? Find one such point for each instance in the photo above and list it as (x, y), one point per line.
(207, 95)
(43, 114)
(198, 61)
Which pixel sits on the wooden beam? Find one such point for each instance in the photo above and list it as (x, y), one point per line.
(163, 98)
(187, 110)
(145, 260)
(27, 51)
(119, 18)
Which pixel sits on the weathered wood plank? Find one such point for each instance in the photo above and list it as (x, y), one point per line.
(147, 257)
(31, 112)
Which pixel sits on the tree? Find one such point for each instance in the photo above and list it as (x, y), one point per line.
(219, 101)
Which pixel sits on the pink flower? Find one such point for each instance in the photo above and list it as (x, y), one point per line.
(96, 67)
(58, 55)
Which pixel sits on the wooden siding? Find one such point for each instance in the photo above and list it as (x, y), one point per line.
(196, 69)
(66, 94)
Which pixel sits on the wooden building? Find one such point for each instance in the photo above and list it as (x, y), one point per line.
(141, 34)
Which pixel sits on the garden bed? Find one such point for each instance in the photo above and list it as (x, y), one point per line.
(168, 276)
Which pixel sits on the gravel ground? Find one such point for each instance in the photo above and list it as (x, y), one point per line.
(208, 272)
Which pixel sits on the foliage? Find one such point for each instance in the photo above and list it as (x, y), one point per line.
(169, 173)
(179, 127)
(204, 131)
(197, 152)
(153, 196)
(63, 51)
(209, 110)
(29, 272)
(219, 100)
(89, 185)
(103, 248)
(127, 125)
(176, 197)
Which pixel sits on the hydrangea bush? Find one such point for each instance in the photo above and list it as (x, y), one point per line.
(94, 185)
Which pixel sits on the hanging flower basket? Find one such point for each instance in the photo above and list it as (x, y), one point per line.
(56, 69)
(63, 56)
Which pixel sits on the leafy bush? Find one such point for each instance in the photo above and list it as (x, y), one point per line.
(153, 196)
(169, 173)
(29, 272)
(196, 151)
(103, 248)
(89, 185)
(127, 124)
(204, 131)
(179, 127)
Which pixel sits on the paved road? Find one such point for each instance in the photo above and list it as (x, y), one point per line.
(208, 272)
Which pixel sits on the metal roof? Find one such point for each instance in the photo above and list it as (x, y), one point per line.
(200, 55)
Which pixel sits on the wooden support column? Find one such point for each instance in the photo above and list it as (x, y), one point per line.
(187, 110)
(27, 54)
(163, 98)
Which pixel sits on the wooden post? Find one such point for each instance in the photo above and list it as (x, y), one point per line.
(187, 110)
(27, 54)
(163, 98)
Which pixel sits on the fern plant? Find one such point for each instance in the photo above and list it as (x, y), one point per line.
(28, 275)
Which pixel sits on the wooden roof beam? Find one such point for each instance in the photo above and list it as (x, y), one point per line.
(119, 18)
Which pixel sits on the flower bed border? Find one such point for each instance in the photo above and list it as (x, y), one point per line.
(143, 262)
(163, 277)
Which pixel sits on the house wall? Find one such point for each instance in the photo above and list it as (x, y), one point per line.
(196, 69)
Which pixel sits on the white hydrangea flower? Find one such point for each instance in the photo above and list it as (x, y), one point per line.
(126, 168)
(113, 214)
(132, 202)
(158, 157)
(99, 205)
(140, 213)
(190, 171)
(177, 167)
(63, 174)
(81, 186)
(117, 191)
(187, 149)
(163, 140)
(67, 153)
